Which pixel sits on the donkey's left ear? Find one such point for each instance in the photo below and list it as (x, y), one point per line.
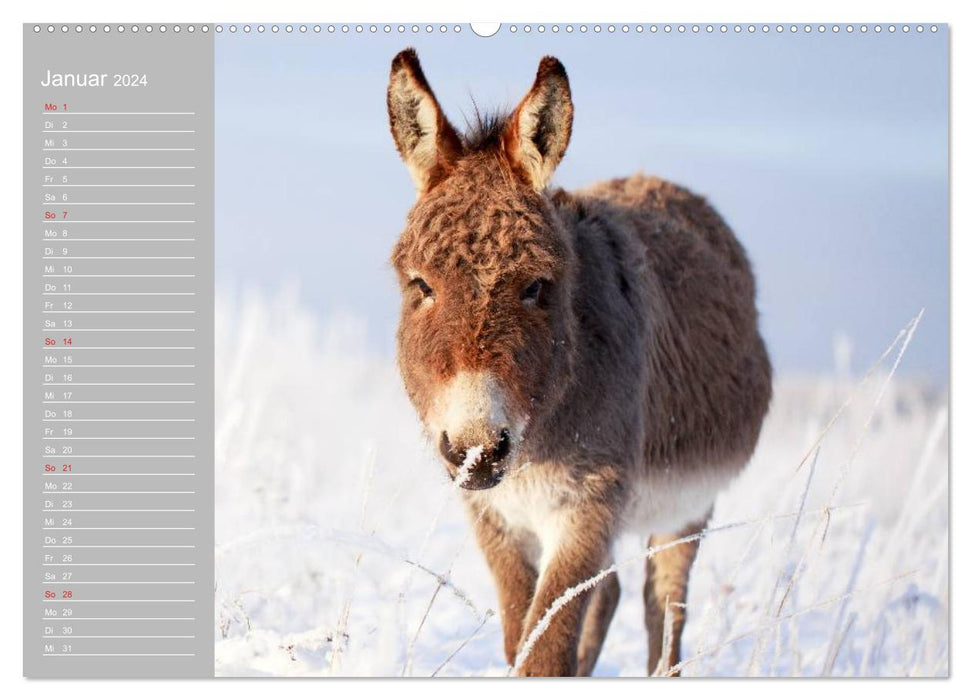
(539, 130)
(427, 142)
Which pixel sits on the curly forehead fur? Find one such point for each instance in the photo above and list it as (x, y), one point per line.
(484, 221)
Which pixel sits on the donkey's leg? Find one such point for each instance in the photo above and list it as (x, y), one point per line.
(596, 621)
(583, 545)
(514, 575)
(665, 592)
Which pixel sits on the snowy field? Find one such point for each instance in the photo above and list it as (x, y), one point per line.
(341, 549)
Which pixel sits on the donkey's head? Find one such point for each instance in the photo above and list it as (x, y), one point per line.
(486, 332)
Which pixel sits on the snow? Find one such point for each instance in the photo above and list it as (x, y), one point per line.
(343, 548)
(471, 459)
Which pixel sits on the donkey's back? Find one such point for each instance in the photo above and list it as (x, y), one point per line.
(680, 285)
(709, 376)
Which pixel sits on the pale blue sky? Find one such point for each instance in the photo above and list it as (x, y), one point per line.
(827, 154)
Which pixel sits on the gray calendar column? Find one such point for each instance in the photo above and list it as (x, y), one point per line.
(118, 350)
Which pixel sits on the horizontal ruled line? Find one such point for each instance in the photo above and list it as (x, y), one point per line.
(72, 366)
(119, 167)
(119, 384)
(117, 240)
(118, 636)
(71, 475)
(128, 185)
(183, 493)
(123, 583)
(72, 348)
(116, 510)
(118, 257)
(67, 476)
(125, 311)
(99, 276)
(151, 402)
(118, 204)
(119, 294)
(118, 420)
(118, 437)
(119, 546)
(71, 565)
(118, 528)
(69, 601)
(112, 655)
(119, 619)
(118, 330)
(117, 131)
(66, 113)
(57, 150)
(119, 402)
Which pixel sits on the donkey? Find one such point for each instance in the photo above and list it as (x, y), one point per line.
(586, 362)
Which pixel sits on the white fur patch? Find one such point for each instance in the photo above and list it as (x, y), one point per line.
(528, 500)
(667, 501)
(471, 409)
(531, 501)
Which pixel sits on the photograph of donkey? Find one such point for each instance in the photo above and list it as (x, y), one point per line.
(587, 363)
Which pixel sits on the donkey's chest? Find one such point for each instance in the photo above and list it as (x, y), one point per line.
(529, 504)
(540, 509)
(535, 510)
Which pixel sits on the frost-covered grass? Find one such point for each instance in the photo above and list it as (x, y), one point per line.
(342, 548)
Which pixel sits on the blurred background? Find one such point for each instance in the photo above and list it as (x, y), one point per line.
(827, 154)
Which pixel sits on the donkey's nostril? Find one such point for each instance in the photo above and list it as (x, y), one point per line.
(481, 466)
(491, 455)
(455, 456)
(501, 450)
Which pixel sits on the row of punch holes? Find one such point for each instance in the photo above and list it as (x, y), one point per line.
(512, 28)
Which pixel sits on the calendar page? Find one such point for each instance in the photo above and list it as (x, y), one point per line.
(486, 350)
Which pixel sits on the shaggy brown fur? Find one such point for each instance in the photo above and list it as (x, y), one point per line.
(586, 362)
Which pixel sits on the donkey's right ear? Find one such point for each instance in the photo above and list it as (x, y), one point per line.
(428, 144)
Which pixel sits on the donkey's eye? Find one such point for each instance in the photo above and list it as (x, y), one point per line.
(422, 287)
(532, 292)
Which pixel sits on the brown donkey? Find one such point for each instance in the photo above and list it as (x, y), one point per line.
(586, 362)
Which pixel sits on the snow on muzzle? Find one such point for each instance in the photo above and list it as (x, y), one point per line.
(475, 434)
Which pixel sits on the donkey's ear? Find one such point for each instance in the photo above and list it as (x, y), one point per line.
(426, 141)
(539, 130)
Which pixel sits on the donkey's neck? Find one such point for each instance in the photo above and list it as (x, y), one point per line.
(600, 415)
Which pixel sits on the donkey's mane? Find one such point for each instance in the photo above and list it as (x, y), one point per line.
(483, 131)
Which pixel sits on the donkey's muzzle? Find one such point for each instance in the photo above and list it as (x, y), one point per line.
(476, 467)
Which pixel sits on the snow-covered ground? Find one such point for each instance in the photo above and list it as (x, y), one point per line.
(341, 549)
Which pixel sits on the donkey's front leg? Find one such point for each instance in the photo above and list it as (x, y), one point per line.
(514, 575)
(580, 552)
